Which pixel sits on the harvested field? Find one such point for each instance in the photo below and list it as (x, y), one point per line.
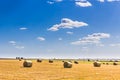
(14, 70)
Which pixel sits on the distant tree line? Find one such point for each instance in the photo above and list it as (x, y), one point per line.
(19, 58)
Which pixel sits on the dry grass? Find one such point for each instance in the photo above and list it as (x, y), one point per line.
(13, 70)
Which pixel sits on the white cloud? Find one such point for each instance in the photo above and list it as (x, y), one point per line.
(60, 39)
(54, 1)
(15, 44)
(23, 28)
(83, 3)
(115, 45)
(67, 23)
(41, 38)
(69, 32)
(50, 2)
(12, 42)
(91, 39)
(101, 0)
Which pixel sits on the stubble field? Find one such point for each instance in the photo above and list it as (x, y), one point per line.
(14, 70)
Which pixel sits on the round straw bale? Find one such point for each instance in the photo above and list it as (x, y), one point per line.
(20, 60)
(97, 64)
(107, 63)
(70, 61)
(103, 63)
(115, 63)
(67, 65)
(39, 60)
(50, 61)
(27, 63)
(88, 60)
(76, 62)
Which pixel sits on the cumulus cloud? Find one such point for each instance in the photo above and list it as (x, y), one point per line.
(12, 42)
(67, 23)
(69, 32)
(54, 1)
(95, 38)
(15, 44)
(23, 28)
(83, 3)
(50, 2)
(41, 38)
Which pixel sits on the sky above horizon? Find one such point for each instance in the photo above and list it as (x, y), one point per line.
(60, 28)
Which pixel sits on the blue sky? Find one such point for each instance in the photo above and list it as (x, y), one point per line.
(60, 28)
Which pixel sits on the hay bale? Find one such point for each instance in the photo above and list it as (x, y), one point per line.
(70, 61)
(50, 61)
(103, 63)
(76, 62)
(20, 60)
(89, 60)
(115, 63)
(27, 63)
(97, 64)
(39, 60)
(107, 63)
(67, 65)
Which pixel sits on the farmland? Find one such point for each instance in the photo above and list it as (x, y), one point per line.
(14, 70)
